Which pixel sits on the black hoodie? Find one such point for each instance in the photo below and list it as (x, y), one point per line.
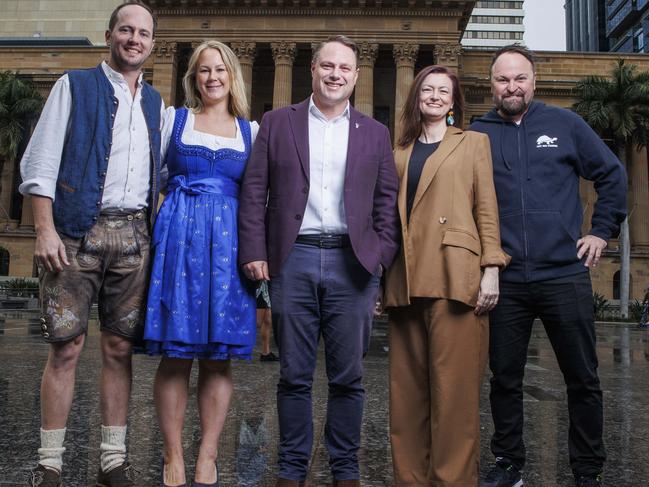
(537, 165)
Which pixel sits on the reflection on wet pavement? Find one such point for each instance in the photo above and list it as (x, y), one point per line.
(248, 445)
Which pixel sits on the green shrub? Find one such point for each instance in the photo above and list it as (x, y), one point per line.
(635, 310)
(19, 286)
(600, 303)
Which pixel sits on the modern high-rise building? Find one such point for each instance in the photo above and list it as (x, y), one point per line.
(607, 25)
(586, 25)
(494, 24)
(627, 25)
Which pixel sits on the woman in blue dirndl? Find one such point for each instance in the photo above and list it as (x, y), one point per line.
(199, 305)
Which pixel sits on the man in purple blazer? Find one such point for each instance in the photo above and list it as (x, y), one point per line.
(318, 219)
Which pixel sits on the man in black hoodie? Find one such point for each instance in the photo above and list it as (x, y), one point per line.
(539, 153)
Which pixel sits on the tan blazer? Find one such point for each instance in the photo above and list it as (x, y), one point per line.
(453, 230)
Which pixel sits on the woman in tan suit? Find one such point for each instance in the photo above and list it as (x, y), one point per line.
(440, 288)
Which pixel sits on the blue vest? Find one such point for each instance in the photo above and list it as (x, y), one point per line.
(80, 184)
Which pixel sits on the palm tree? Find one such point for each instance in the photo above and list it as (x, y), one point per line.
(618, 109)
(20, 105)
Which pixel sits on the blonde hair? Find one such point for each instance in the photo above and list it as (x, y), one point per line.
(238, 104)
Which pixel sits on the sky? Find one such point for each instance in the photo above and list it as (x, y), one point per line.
(545, 25)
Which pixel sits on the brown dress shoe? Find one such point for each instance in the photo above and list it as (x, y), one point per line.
(44, 477)
(122, 476)
(291, 483)
(347, 483)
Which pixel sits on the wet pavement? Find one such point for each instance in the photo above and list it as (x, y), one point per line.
(248, 445)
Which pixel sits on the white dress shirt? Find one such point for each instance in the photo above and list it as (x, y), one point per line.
(328, 139)
(128, 175)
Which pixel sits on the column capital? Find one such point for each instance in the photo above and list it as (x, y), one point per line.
(367, 52)
(447, 53)
(405, 54)
(283, 52)
(244, 50)
(165, 50)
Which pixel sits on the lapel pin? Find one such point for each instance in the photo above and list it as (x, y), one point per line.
(442, 219)
(356, 124)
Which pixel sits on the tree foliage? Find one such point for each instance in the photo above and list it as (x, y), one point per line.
(20, 105)
(617, 107)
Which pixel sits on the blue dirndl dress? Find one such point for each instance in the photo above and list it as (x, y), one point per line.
(199, 303)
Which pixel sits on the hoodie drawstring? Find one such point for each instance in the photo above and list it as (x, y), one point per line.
(502, 150)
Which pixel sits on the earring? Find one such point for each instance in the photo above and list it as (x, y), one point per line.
(450, 120)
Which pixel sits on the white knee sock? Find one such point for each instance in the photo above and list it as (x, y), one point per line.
(113, 447)
(51, 451)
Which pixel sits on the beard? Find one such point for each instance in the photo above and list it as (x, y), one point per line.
(512, 105)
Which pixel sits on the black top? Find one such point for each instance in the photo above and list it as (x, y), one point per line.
(420, 152)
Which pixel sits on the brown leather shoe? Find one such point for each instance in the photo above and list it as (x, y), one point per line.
(291, 483)
(122, 476)
(44, 477)
(347, 483)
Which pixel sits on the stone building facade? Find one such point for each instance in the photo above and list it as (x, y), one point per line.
(274, 40)
(56, 18)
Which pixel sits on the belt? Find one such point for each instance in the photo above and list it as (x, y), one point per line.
(324, 240)
(123, 214)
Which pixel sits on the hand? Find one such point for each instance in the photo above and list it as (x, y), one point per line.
(591, 246)
(488, 293)
(50, 251)
(256, 270)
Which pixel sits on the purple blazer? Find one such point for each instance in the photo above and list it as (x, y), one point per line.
(275, 190)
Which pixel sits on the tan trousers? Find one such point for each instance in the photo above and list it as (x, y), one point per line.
(438, 353)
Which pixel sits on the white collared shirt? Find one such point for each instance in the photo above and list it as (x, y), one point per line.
(128, 175)
(328, 139)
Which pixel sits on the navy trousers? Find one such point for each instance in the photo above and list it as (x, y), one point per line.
(321, 292)
(566, 308)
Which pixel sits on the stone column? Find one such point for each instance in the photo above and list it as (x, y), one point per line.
(165, 64)
(283, 55)
(639, 204)
(405, 55)
(364, 98)
(588, 198)
(448, 55)
(246, 51)
(6, 183)
(27, 214)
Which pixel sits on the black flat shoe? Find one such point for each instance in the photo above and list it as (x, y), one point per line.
(268, 357)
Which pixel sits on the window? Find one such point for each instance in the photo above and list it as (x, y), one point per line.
(616, 285)
(488, 4)
(480, 34)
(638, 40)
(4, 262)
(493, 19)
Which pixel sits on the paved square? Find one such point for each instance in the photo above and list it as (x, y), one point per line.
(248, 445)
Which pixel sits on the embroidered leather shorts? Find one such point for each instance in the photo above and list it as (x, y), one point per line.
(110, 265)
